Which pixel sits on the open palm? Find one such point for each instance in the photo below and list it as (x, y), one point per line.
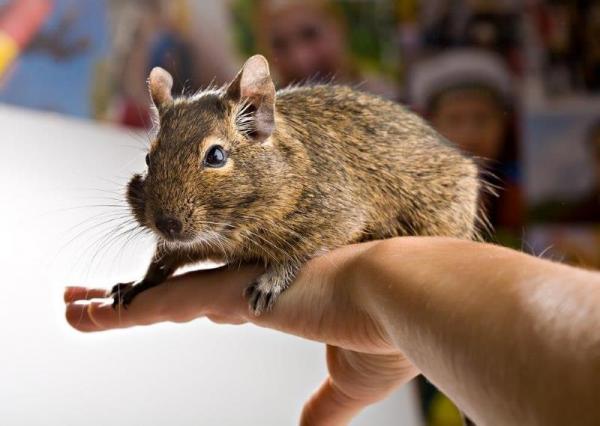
(364, 364)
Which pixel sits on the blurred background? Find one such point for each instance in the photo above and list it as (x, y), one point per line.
(516, 83)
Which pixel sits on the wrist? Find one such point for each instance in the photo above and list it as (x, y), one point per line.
(370, 290)
(403, 282)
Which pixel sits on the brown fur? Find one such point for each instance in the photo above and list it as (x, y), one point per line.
(311, 169)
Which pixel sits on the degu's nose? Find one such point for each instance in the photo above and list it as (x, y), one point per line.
(169, 226)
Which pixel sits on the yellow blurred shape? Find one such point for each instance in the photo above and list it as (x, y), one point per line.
(443, 412)
(8, 52)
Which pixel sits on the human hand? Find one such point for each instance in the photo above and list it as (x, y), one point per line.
(326, 303)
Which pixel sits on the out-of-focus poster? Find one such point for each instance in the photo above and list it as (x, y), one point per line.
(573, 244)
(49, 50)
(562, 159)
(91, 58)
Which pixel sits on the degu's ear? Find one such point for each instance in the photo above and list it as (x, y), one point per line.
(254, 85)
(160, 84)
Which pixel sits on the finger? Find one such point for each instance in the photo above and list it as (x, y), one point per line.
(99, 315)
(78, 316)
(217, 294)
(82, 293)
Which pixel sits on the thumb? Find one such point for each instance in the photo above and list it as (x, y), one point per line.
(355, 381)
(329, 406)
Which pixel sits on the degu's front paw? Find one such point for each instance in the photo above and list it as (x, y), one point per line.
(123, 294)
(262, 294)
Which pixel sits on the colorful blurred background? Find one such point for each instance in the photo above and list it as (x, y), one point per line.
(514, 83)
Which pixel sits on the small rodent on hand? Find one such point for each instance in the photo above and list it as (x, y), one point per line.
(247, 173)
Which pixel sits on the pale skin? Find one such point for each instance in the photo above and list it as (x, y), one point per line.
(511, 338)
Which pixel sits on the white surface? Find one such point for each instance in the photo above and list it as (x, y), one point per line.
(192, 374)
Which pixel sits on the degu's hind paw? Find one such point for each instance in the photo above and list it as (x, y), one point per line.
(119, 294)
(261, 297)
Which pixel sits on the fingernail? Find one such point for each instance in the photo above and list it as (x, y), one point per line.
(70, 292)
(78, 317)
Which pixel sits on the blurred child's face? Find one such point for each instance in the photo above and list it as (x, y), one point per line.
(472, 120)
(305, 42)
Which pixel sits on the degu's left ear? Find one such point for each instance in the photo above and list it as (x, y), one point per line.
(160, 84)
(254, 85)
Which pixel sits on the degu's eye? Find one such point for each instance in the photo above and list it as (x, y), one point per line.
(148, 160)
(215, 156)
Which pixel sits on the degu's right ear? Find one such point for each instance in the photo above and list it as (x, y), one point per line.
(160, 84)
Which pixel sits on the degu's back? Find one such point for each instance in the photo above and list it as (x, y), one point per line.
(378, 164)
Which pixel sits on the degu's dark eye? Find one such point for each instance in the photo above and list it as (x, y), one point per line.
(148, 160)
(215, 156)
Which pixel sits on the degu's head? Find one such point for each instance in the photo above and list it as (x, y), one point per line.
(212, 165)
